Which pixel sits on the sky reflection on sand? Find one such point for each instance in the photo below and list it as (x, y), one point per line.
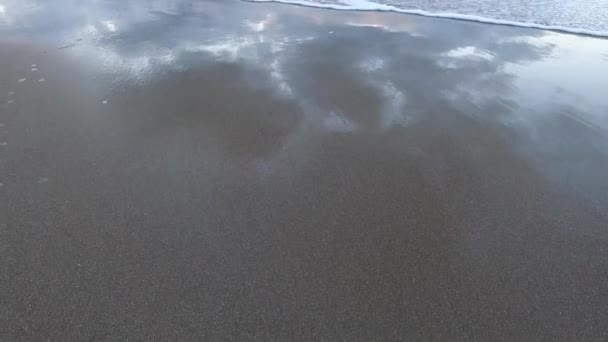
(403, 68)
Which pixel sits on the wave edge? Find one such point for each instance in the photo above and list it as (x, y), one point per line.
(465, 17)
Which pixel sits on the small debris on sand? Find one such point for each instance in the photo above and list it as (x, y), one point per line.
(66, 46)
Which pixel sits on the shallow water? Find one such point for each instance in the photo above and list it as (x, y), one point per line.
(589, 16)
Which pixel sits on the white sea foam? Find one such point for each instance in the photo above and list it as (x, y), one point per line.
(367, 5)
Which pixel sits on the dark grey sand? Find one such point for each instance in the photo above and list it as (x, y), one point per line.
(216, 170)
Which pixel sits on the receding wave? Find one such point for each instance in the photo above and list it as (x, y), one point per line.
(371, 6)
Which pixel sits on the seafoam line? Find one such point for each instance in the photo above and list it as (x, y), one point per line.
(370, 6)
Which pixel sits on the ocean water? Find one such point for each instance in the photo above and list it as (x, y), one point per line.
(576, 16)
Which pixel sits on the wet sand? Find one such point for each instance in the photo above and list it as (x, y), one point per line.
(220, 170)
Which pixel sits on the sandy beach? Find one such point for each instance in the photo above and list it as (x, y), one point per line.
(222, 170)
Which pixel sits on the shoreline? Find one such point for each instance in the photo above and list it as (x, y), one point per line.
(442, 15)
